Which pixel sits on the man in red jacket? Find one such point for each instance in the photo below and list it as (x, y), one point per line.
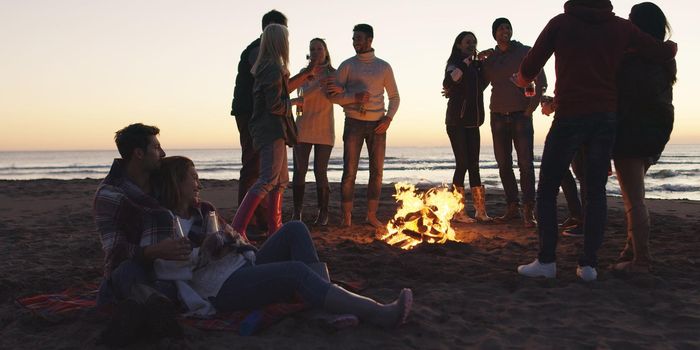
(589, 42)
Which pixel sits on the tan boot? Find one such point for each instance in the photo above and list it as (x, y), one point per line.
(529, 216)
(346, 212)
(372, 206)
(479, 198)
(462, 216)
(512, 213)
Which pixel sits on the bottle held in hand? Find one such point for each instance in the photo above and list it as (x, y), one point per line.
(530, 89)
(300, 109)
(212, 223)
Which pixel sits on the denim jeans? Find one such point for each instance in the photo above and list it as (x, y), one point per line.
(595, 133)
(355, 133)
(466, 145)
(280, 272)
(274, 171)
(514, 130)
(322, 154)
(129, 273)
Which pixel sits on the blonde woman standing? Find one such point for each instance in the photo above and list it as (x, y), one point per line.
(316, 129)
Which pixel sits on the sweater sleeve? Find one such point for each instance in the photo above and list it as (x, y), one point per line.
(392, 91)
(341, 79)
(651, 48)
(541, 51)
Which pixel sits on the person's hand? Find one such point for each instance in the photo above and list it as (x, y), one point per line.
(383, 125)
(169, 249)
(518, 80)
(548, 107)
(485, 54)
(445, 92)
(329, 85)
(362, 97)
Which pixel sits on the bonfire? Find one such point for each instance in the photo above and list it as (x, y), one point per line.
(422, 216)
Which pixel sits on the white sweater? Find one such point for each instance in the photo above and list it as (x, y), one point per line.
(366, 72)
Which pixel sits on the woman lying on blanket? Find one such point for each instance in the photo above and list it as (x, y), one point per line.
(243, 278)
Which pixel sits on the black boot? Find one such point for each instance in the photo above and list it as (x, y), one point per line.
(298, 198)
(323, 194)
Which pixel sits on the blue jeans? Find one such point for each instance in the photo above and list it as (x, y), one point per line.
(466, 145)
(356, 133)
(281, 270)
(274, 171)
(595, 134)
(510, 130)
(128, 274)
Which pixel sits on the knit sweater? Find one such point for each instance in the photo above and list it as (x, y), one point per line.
(316, 124)
(366, 72)
(589, 42)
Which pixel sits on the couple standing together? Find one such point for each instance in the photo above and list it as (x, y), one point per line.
(262, 108)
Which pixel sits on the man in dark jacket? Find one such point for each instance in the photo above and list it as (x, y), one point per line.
(511, 120)
(589, 42)
(242, 109)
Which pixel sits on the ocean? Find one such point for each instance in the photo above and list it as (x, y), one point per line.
(676, 176)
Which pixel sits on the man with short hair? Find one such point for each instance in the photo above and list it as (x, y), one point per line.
(359, 87)
(511, 121)
(589, 42)
(128, 218)
(242, 109)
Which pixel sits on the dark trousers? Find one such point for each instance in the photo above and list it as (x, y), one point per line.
(250, 168)
(510, 130)
(466, 145)
(568, 186)
(355, 134)
(322, 154)
(595, 133)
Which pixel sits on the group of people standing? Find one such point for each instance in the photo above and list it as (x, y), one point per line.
(263, 109)
(594, 93)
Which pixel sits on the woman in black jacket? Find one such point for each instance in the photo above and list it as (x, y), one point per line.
(464, 85)
(645, 110)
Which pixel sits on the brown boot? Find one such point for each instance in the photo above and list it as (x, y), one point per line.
(479, 198)
(462, 215)
(346, 212)
(512, 213)
(529, 216)
(372, 206)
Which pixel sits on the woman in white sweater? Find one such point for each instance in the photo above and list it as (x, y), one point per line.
(315, 128)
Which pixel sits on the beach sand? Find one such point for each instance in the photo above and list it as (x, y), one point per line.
(466, 295)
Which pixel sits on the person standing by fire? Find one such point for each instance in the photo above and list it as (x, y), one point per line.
(464, 85)
(511, 121)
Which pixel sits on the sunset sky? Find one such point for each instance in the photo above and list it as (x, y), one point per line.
(73, 72)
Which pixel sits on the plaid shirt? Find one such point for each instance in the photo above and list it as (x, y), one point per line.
(127, 219)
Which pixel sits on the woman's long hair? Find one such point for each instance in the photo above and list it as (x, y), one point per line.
(456, 55)
(172, 171)
(274, 48)
(650, 19)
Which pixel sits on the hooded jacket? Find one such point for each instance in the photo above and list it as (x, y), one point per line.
(589, 42)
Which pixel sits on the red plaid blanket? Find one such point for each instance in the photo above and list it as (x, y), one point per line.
(73, 302)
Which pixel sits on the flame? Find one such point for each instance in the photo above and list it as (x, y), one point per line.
(423, 216)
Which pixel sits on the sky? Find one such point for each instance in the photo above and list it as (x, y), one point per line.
(72, 72)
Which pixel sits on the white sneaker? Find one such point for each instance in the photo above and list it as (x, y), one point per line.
(587, 273)
(537, 269)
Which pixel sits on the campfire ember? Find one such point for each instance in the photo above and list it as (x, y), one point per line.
(422, 216)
